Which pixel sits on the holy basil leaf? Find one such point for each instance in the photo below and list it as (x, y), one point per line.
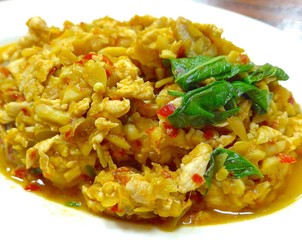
(237, 165)
(266, 70)
(235, 69)
(175, 93)
(189, 72)
(215, 102)
(198, 121)
(204, 106)
(209, 173)
(260, 98)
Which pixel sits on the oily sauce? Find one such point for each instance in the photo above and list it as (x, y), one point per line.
(33, 181)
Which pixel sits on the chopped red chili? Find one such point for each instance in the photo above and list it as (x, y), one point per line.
(32, 187)
(18, 97)
(4, 71)
(181, 52)
(33, 154)
(20, 173)
(115, 208)
(88, 56)
(87, 178)
(170, 130)
(25, 111)
(52, 70)
(196, 178)
(166, 110)
(208, 134)
(291, 100)
(138, 143)
(109, 66)
(150, 130)
(244, 59)
(286, 158)
(118, 154)
(68, 134)
(272, 142)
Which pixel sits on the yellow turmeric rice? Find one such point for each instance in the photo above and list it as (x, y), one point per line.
(151, 118)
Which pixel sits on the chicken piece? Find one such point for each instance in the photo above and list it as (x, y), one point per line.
(113, 108)
(104, 124)
(94, 74)
(52, 111)
(130, 88)
(195, 42)
(61, 163)
(275, 170)
(103, 128)
(32, 69)
(226, 195)
(39, 151)
(150, 43)
(124, 191)
(16, 68)
(14, 108)
(296, 124)
(38, 27)
(5, 118)
(266, 134)
(76, 83)
(18, 140)
(79, 108)
(156, 190)
(193, 167)
(123, 68)
(140, 190)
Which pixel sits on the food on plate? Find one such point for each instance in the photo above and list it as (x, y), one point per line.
(151, 119)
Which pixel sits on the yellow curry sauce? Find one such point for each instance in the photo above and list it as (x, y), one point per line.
(151, 120)
(72, 197)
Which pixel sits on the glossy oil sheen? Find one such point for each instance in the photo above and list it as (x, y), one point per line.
(72, 197)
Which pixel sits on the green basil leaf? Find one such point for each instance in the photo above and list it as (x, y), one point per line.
(266, 70)
(237, 165)
(189, 72)
(203, 106)
(261, 98)
(234, 70)
(175, 93)
(215, 102)
(209, 173)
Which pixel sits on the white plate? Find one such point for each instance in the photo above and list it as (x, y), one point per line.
(25, 216)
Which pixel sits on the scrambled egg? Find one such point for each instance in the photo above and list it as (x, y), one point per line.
(84, 101)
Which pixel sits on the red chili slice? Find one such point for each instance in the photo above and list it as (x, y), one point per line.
(20, 173)
(208, 134)
(291, 100)
(286, 158)
(196, 178)
(89, 56)
(115, 208)
(32, 187)
(244, 58)
(171, 130)
(166, 110)
(4, 71)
